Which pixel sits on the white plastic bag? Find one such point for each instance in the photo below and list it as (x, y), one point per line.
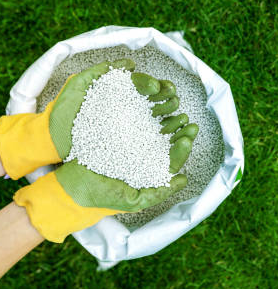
(109, 240)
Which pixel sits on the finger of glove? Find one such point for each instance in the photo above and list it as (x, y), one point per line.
(167, 107)
(82, 80)
(190, 131)
(172, 123)
(126, 63)
(179, 153)
(89, 189)
(152, 196)
(167, 90)
(145, 84)
(148, 85)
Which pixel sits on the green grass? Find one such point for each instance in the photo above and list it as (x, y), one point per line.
(237, 247)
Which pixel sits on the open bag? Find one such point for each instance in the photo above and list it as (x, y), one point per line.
(109, 240)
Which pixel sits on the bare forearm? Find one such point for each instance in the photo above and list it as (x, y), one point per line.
(17, 236)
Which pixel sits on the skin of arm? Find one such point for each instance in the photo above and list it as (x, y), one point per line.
(17, 235)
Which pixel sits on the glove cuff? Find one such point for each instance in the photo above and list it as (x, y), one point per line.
(53, 212)
(25, 143)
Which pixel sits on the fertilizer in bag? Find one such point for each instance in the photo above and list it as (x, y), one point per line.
(208, 148)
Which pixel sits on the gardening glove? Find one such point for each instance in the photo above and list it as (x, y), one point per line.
(73, 198)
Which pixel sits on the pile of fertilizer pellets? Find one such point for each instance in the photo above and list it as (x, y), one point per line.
(114, 134)
(208, 148)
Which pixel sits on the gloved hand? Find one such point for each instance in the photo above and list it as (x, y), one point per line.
(29, 140)
(52, 201)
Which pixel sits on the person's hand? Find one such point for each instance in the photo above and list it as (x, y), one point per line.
(51, 201)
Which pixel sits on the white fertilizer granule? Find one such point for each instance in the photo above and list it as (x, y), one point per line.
(114, 134)
(208, 148)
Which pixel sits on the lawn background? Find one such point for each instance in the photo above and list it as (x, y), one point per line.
(236, 247)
